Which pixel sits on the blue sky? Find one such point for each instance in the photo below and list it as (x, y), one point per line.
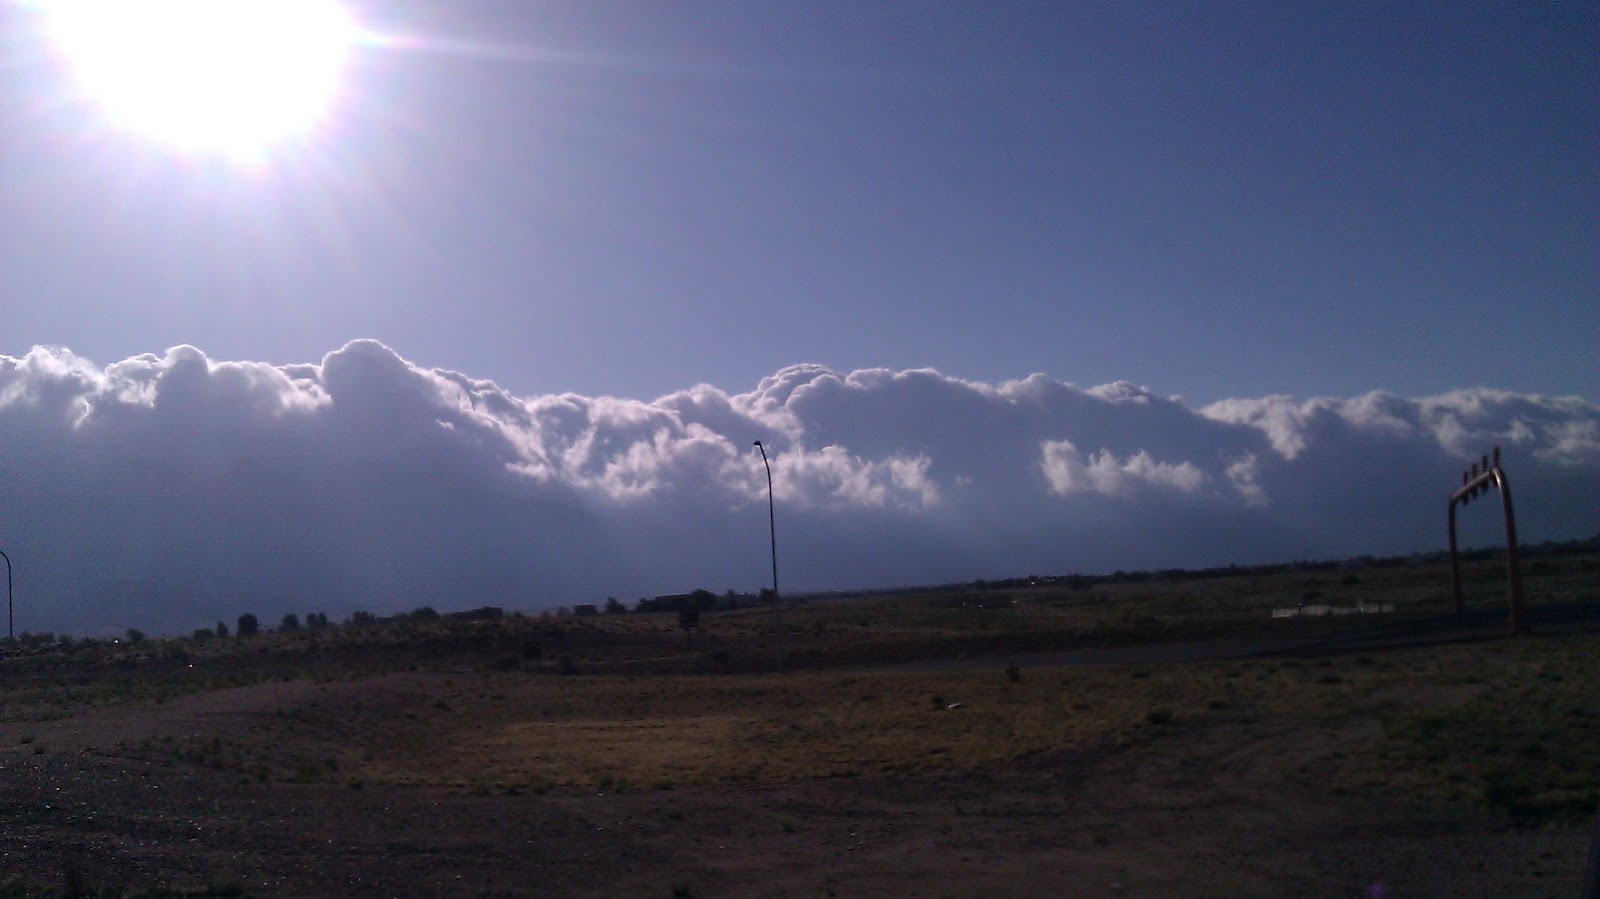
(1213, 200)
(503, 327)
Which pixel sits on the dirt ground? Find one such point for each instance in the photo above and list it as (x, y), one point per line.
(1193, 811)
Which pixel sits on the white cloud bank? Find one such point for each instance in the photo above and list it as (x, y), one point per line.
(1068, 471)
(173, 490)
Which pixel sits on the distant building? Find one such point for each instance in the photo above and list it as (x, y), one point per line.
(587, 608)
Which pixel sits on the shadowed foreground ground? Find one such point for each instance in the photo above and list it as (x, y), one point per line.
(1220, 802)
(1212, 820)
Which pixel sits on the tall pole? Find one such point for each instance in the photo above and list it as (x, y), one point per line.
(1455, 569)
(11, 621)
(772, 530)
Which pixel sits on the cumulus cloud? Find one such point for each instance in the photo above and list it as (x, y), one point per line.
(1069, 471)
(161, 491)
(834, 478)
(1245, 481)
(1562, 430)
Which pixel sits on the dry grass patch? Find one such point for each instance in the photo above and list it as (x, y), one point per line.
(1505, 725)
(512, 730)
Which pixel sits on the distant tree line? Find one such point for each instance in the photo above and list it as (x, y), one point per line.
(689, 605)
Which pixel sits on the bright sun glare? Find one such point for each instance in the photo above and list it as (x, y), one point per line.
(227, 76)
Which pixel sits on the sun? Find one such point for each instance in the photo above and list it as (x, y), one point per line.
(233, 77)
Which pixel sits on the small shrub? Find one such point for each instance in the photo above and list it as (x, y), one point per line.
(1013, 673)
(1159, 716)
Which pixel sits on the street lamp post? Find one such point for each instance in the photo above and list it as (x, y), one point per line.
(772, 530)
(11, 621)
